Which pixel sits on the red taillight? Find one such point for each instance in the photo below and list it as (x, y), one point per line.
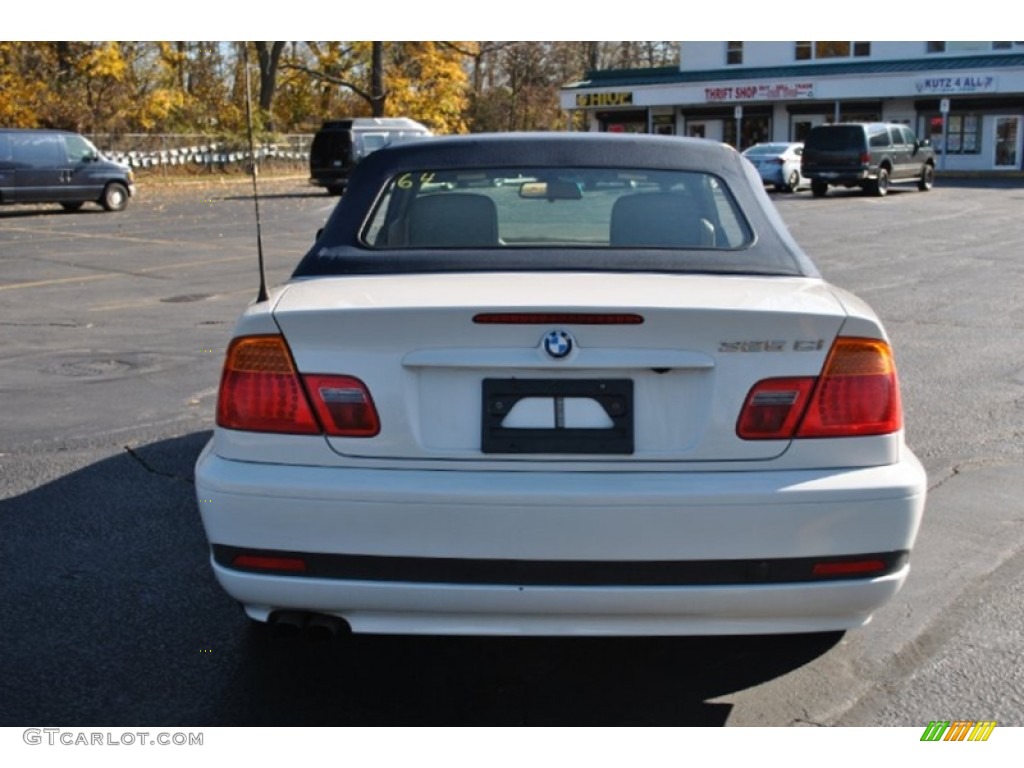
(344, 405)
(865, 158)
(260, 390)
(856, 394)
(773, 408)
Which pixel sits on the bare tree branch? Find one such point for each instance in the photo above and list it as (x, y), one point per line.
(323, 76)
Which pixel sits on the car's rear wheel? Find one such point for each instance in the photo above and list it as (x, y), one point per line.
(927, 180)
(793, 182)
(71, 207)
(880, 186)
(819, 188)
(115, 197)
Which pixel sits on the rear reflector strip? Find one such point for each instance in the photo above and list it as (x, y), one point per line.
(848, 568)
(556, 318)
(269, 563)
(570, 573)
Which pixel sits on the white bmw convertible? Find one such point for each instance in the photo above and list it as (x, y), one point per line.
(557, 384)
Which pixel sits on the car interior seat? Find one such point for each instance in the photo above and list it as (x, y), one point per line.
(659, 220)
(453, 219)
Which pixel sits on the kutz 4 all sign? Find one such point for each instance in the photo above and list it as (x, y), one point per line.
(958, 730)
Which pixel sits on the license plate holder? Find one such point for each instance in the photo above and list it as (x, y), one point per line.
(615, 396)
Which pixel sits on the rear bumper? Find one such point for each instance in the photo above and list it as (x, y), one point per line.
(330, 178)
(445, 609)
(774, 175)
(839, 175)
(531, 520)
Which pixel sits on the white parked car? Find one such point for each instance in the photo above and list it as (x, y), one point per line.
(612, 398)
(778, 163)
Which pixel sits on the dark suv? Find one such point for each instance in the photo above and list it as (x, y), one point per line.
(866, 155)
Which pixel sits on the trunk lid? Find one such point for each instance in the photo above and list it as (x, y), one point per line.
(676, 381)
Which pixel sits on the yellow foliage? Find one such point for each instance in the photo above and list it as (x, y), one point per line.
(159, 107)
(19, 101)
(104, 61)
(427, 82)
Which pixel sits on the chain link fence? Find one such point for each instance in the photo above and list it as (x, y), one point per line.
(195, 154)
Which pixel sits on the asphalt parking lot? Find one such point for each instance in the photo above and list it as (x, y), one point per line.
(113, 327)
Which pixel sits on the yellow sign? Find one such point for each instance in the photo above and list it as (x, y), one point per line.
(614, 99)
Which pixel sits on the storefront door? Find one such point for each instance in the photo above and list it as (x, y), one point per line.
(1007, 143)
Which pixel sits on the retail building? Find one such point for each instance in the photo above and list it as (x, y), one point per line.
(777, 91)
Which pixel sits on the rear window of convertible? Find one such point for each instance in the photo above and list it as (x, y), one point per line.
(552, 208)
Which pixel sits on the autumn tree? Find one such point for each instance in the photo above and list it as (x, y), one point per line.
(423, 80)
(198, 87)
(22, 89)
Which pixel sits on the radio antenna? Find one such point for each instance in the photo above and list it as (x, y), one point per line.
(262, 295)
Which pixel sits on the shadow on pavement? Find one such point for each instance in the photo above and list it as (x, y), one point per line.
(112, 617)
(378, 680)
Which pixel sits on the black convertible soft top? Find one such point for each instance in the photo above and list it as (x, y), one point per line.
(339, 250)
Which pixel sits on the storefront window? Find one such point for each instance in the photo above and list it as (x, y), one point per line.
(664, 125)
(623, 122)
(966, 46)
(801, 128)
(963, 136)
(831, 49)
(626, 127)
(756, 130)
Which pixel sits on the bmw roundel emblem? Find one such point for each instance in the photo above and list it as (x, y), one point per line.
(558, 344)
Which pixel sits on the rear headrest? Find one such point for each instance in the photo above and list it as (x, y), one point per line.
(659, 220)
(453, 219)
